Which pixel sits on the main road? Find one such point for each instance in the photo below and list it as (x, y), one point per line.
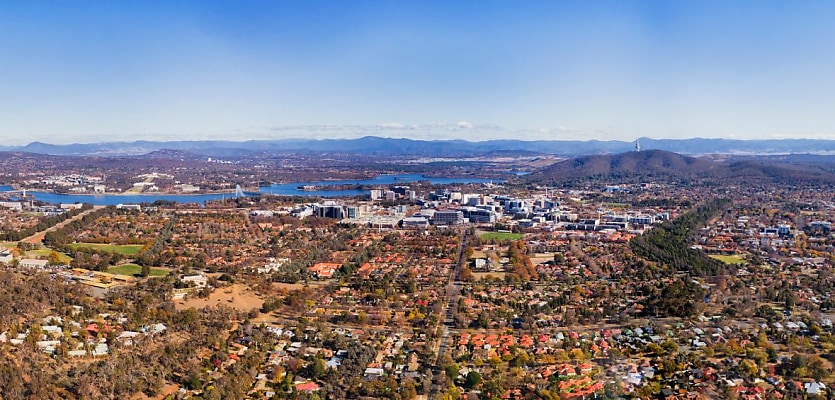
(453, 291)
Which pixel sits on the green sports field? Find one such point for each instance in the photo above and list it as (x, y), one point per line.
(123, 249)
(501, 236)
(733, 259)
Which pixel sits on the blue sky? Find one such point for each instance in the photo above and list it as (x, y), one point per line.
(81, 71)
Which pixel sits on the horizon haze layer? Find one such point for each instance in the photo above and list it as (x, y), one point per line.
(436, 148)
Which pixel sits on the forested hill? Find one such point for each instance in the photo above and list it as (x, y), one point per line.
(650, 165)
(631, 165)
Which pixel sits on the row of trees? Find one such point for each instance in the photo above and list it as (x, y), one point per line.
(520, 262)
(153, 254)
(670, 244)
(42, 225)
(61, 237)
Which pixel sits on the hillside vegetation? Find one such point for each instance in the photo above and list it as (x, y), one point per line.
(670, 244)
(654, 165)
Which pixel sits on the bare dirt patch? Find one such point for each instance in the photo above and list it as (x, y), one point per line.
(287, 286)
(485, 275)
(237, 296)
(167, 390)
(542, 257)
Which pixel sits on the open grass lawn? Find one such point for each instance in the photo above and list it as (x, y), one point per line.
(123, 249)
(136, 270)
(43, 253)
(734, 259)
(8, 245)
(501, 236)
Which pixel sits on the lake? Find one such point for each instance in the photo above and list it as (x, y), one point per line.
(287, 189)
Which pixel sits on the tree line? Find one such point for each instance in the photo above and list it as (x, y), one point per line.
(42, 225)
(670, 244)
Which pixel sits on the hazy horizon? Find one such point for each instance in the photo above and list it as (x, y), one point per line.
(630, 143)
(426, 137)
(89, 72)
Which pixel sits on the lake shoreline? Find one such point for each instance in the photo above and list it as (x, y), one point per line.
(276, 189)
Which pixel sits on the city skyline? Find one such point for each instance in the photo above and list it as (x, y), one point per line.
(88, 72)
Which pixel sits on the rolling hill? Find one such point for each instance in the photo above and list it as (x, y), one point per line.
(664, 165)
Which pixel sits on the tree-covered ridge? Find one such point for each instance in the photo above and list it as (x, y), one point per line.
(670, 244)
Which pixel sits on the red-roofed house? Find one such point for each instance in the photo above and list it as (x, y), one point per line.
(324, 270)
(307, 387)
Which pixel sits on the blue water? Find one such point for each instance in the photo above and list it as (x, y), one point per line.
(291, 188)
(277, 189)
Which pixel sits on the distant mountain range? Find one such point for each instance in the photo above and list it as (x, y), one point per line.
(371, 145)
(664, 165)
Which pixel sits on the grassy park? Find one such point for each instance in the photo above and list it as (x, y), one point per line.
(732, 259)
(501, 236)
(123, 249)
(135, 270)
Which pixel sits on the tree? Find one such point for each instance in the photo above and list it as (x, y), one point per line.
(749, 367)
(473, 380)
(494, 361)
(451, 371)
(54, 258)
(452, 393)
(816, 368)
(578, 354)
(466, 274)
(318, 368)
(146, 271)
(407, 389)
(520, 359)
